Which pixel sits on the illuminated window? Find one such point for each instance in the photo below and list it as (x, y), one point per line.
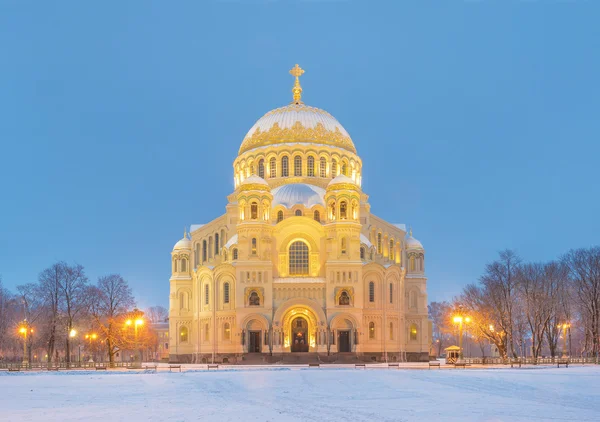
(206, 294)
(371, 291)
(310, 167)
(343, 210)
(344, 246)
(235, 254)
(344, 298)
(254, 299)
(297, 165)
(226, 293)
(285, 167)
(254, 246)
(279, 216)
(317, 216)
(392, 249)
(298, 258)
(371, 330)
(333, 169)
(261, 168)
(254, 211)
(273, 167)
(183, 335)
(379, 244)
(411, 263)
(298, 213)
(413, 332)
(332, 213)
(345, 169)
(323, 167)
(226, 331)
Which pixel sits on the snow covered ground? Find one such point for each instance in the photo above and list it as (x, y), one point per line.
(285, 394)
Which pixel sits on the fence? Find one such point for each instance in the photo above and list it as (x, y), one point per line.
(72, 365)
(528, 361)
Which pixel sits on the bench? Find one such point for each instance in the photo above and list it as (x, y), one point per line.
(514, 362)
(53, 368)
(394, 365)
(564, 362)
(314, 365)
(460, 364)
(212, 366)
(100, 368)
(174, 367)
(434, 363)
(151, 367)
(14, 369)
(359, 365)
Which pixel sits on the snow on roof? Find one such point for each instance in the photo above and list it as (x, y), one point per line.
(400, 226)
(365, 240)
(298, 194)
(195, 227)
(232, 241)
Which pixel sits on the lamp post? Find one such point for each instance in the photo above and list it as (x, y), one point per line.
(564, 327)
(459, 319)
(72, 335)
(91, 337)
(25, 329)
(137, 322)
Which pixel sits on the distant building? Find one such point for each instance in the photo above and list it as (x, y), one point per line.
(298, 263)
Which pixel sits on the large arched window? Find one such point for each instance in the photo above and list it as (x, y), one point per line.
(344, 298)
(413, 332)
(285, 170)
(261, 168)
(254, 299)
(317, 216)
(298, 213)
(297, 165)
(310, 166)
(333, 169)
(279, 216)
(206, 297)
(254, 211)
(234, 254)
(371, 330)
(204, 251)
(226, 331)
(273, 167)
(343, 210)
(323, 167)
(371, 291)
(379, 244)
(298, 258)
(226, 293)
(183, 334)
(254, 246)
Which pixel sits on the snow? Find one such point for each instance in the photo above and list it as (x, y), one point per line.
(232, 241)
(305, 394)
(365, 240)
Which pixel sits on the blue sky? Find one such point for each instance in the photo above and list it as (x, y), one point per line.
(477, 123)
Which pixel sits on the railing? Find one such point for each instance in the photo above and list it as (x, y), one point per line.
(527, 361)
(72, 365)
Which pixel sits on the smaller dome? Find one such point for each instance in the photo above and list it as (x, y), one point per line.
(342, 180)
(298, 194)
(412, 243)
(184, 243)
(254, 182)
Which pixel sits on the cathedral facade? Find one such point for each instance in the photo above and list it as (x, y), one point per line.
(298, 268)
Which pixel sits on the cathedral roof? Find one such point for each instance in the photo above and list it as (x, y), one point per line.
(412, 243)
(184, 243)
(298, 194)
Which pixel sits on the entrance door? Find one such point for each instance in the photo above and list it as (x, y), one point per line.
(299, 335)
(344, 341)
(254, 342)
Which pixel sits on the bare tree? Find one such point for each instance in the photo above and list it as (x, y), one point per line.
(49, 292)
(75, 300)
(112, 298)
(157, 314)
(440, 314)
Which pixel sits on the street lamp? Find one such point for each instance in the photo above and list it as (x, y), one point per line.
(564, 327)
(459, 319)
(91, 337)
(24, 330)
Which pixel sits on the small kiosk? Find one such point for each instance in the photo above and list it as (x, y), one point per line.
(452, 354)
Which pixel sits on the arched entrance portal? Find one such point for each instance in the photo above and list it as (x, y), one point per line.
(300, 339)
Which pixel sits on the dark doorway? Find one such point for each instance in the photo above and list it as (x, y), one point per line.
(344, 341)
(254, 342)
(299, 335)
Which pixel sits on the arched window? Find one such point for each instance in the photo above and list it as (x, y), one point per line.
(298, 258)
(371, 330)
(204, 251)
(344, 246)
(216, 244)
(333, 169)
(279, 216)
(392, 249)
(345, 169)
(297, 165)
(332, 216)
(344, 298)
(323, 167)
(226, 331)
(183, 335)
(184, 265)
(298, 213)
(254, 211)
(391, 330)
(226, 293)
(371, 291)
(310, 166)
(210, 247)
(413, 332)
(234, 254)
(206, 291)
(222, 238)
(254, 299)
(379, 244)
(181, 300)
(285, 167)
(391, 293)
(261, 168)
(273, 167)
(343, 210)
(254, 246)
(362, 253)
(175, 265)
(411, 263)
(317, 216)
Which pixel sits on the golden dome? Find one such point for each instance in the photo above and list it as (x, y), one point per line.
(297, 123)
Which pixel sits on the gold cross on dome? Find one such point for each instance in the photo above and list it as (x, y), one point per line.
(297, 71)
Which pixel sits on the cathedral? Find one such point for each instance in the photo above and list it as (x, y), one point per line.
(298, 268)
